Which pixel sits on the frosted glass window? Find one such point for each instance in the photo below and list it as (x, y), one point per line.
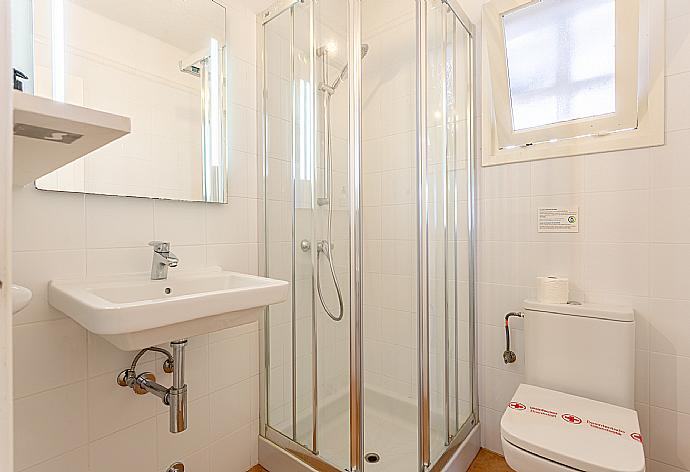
(561, 58)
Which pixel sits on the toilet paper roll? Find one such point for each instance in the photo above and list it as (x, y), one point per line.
(552, 290)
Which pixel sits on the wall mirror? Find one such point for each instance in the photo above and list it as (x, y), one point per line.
(159, 62)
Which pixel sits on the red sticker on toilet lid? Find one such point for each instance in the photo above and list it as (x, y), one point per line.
(571, 418)
(517, 406)
(577, 432)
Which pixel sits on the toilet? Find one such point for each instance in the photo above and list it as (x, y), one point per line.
(575, 411)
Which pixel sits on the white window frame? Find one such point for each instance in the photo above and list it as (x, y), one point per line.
(638, 121)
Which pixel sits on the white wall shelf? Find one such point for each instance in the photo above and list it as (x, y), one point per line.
(50, 134)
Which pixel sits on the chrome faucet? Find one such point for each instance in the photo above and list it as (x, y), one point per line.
(162, 259)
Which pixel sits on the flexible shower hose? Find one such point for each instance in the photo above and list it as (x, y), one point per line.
(324, 247)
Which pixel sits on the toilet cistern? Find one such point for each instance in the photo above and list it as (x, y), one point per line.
(162, 259)
(575, 412)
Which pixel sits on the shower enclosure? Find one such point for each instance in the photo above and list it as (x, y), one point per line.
(367, 146)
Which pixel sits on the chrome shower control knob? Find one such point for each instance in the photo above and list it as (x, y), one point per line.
(305, 245)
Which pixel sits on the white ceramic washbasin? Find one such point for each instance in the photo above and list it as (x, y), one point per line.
(21, 296)
(134, 312)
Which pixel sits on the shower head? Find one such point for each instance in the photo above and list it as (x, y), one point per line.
(324, 50)
(343, 73)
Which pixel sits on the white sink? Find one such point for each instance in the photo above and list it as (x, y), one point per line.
(134, 312)
(21, 296)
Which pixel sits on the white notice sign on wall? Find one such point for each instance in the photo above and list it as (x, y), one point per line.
(558, 220)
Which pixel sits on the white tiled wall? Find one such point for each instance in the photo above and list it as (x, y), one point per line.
(633, 248)
(70, 416)
(388, 150)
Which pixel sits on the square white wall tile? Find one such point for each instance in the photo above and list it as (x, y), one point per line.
(232, 407)
(669, 164)
(113, 408)
(491, 429)
(100, 262)
(616, 171)
(670, 215)
(669, 382)
(668, 271)
(106, 455)
(677, 102)
(40, 424)
(617, 216)
(199, 461)
(642, 380)
(182, 223)
(678, 49)
(48, 355)
(513, 180)
(118, 222)
(668, 432)
(234, 453)
(558, 176)
(233, 361)
(622, 269)
(47, 220)
(669, 330)
(74, 461)
(233, 257)
(505, 219)
(34, 270)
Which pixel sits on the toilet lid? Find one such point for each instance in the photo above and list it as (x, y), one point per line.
(577, 432)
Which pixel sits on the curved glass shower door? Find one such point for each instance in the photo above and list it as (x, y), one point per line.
(449, 151)
(305, 126)
(390, 197)
(368, 213)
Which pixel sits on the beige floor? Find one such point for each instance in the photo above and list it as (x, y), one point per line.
(486, 461)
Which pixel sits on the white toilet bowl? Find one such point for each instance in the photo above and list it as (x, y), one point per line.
(544, 430)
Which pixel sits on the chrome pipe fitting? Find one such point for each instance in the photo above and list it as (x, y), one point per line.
(177, 394)
(305, 245)
(174, 397)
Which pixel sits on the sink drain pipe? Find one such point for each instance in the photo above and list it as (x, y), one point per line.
(174, 397)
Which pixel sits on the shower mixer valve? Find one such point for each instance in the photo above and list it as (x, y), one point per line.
(174, 397)
(305, 245)
(323, 246)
